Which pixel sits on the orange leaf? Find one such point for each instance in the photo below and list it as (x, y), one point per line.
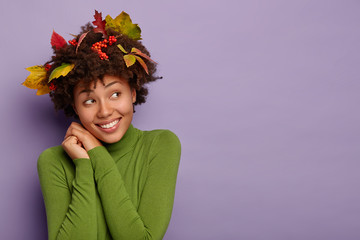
(143, 64)
(138, 52)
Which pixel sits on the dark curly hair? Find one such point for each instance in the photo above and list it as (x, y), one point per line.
(89, 68)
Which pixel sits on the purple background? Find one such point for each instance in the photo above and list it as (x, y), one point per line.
(264, 96)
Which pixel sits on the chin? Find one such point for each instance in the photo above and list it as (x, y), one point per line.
(111, 138)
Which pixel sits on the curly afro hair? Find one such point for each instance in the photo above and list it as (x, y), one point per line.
(89, 67)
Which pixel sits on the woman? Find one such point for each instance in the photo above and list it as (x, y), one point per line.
(108, 180)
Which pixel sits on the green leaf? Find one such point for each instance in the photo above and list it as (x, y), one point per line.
(129, 60)
(63, 70)
(123, 24)
(121, 48)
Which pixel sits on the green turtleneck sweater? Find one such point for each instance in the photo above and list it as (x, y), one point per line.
(125, 191)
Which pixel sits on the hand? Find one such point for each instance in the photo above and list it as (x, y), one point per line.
(74, 148)
(84, 139)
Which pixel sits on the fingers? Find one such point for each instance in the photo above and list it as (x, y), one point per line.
(73, 148)
(85, 138)
(71, 140)
(75, 128)
(75, 132)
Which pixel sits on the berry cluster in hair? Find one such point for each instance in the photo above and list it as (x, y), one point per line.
(103, 44)
(52, 86)
(47, 67)
(73, 42)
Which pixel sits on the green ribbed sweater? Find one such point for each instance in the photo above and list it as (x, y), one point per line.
(125, 191)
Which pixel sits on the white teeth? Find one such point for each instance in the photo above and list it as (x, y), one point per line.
(109, 125)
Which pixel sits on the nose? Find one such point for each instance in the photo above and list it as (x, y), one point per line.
(105, 110)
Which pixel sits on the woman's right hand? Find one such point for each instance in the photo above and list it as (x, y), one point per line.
(74, 148)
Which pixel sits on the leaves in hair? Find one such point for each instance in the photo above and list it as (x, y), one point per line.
(142, 63)
(129, 60)
(81, 38)
(121, 48)
(57, 41)
(135, 54)
(35, 79)
(99, 23)
(138, 52)
(63, 70)
(123, 24)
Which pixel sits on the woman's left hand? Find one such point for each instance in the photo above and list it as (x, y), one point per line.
(84, 136)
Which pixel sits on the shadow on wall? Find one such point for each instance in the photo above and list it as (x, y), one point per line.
(47, 118)
(43, 117)
(37, 210)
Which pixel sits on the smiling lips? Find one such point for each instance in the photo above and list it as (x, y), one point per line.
(109, 127)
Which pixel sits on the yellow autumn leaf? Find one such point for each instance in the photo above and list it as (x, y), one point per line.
(129, 60)
(37, 75)
(63, 70)
(44, 89)
(109, 22)
(123, 24)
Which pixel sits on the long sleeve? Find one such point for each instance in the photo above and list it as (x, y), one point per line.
(69, 215)
(150, 220)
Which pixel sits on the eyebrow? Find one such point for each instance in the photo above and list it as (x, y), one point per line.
(106, 86)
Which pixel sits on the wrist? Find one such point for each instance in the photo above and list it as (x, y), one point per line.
(93, 143)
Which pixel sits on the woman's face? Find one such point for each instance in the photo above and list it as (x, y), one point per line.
(105, 110)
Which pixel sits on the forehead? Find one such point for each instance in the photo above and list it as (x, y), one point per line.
(98, 83)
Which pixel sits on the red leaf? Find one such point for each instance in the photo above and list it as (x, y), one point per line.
(99, 23)
(57, 40)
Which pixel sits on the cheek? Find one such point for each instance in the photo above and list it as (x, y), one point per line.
(85, 115)
(125, 107)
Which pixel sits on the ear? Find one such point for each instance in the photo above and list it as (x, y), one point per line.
(133, 94)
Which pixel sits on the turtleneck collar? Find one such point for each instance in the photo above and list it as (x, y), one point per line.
(126, 143)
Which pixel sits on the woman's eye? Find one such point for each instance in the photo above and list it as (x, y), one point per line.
(115, 95)
(89, 101)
